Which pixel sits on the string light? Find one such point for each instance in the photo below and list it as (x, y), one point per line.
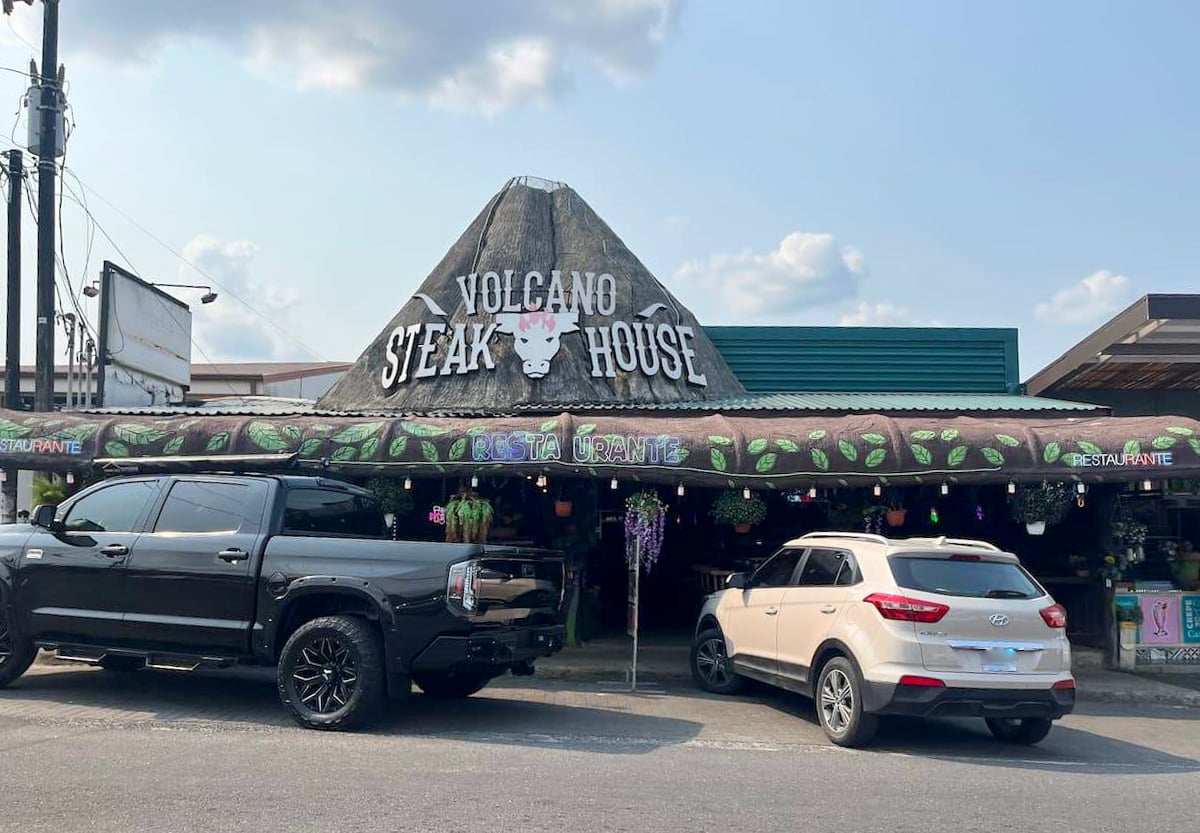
(1012, 488)
(474, 481)
(1081, 488)
(679, 490)
(945, 488)
(933, 515)
(70, 478)
(541, 481)
(1147, 486)
(745, 492)
(612, 484)
(878, 490)
(408, 484)
(812, 492)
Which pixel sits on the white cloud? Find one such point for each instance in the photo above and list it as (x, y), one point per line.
(228, 329)
(806, 270)
(482, 55)
(1099, 294)
(883, 313)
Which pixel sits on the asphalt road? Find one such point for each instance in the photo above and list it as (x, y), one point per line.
(86, 750)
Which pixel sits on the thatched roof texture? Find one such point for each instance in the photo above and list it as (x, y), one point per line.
(556, 297)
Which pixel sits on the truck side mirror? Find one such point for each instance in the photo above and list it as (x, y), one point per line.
(43, 516)
(736, 581)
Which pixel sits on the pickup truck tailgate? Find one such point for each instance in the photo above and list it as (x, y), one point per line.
(518, 586)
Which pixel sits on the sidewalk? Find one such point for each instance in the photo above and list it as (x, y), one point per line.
(664, 661)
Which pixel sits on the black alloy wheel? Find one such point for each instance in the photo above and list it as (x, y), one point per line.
(326, 675)
(331, 673)
(16, 653)
(710, 665)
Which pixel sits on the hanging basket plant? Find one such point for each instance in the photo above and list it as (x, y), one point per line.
(734, 509)
(645, 521)
(468, 518)
(1040, 506)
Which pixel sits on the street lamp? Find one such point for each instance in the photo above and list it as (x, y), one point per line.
(92, 290)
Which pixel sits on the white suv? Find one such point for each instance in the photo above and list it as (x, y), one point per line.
(867, 626)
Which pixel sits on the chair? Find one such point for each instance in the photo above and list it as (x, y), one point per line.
(710, 579)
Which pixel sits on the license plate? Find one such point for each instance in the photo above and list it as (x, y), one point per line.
(999, 660)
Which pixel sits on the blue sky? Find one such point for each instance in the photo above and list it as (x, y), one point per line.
(1021, 164)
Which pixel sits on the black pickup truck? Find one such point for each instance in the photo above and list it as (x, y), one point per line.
(187, 572)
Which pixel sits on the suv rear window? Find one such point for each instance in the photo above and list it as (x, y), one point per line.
(980, 579)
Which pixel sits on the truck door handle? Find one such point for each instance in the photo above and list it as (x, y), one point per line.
(829, 609)
(115, 550)
(772, 611)
(232, 556)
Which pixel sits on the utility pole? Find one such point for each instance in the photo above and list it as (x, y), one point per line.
(12, 359)
(48, 106)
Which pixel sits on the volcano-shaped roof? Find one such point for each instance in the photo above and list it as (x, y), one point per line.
(538, 302)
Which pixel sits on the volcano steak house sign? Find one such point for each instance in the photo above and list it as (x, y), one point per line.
(538, 311)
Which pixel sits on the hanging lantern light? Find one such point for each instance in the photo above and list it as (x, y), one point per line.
(1147, 486)
(1012, 487)
(408, 484)
(878, 490)
(541, 481)
(70, 478)
(612, 484)
(474, 481)
(680, 490)
(812, 492)
(945, 488)
(934, 518)
(745, 492)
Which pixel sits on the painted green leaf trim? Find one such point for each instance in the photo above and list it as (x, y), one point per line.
(766, 462)
(1133, 447)
(1164, 442)
(1194, 442)
(79, 433)
(1180, 431)
(718, 460)
(311, 447)
(134, 434)
(1008, 440)
(993, 456)
(429, 451)
(368, 448)
(819, 434)
(586, 428)
(548, 425)
(1052, 452)
(957, 455)
(1089, 448)
(458, 448)
(757, 446)
(848, 450)
(923, 435)
(358, 433)
(683, 454)
(875, 439)
(419, 429)
(922, 454)
(291, 432)
(320, 428)
(217, 442)
(876, 457)
(787, 445)
(820, 459)
(116, 449)
(173, 445)
(950, 435)
(717, 439)
(480, 429)
(344, 453)
(396, 449)
(266, 436)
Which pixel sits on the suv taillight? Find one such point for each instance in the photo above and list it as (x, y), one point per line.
(462, 587)
(905, 609)
(1055, 616)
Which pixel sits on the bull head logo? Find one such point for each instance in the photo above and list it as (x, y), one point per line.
(537, 336)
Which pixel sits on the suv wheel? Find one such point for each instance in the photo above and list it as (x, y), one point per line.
(450, 686)
(16, 652)
(839, 704)
(331, 673)
(710, 665)
(1020, 731)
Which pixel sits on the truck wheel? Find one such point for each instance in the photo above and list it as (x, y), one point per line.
(1024, 731)
(122, 663)
(710, 666)
(16, 652)
(450, 686)
(331, 673)
(839, 703)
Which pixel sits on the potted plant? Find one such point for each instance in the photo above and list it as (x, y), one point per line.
(896, 513)
(1041, 505)
(468, 518)
(873, 517)
(394, 500)
(563, 507)
(645, 523)
(1130, 534)
(733, 508)
(1185, 564)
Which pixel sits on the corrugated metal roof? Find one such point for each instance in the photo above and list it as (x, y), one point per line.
(821, 402)
(881, 359)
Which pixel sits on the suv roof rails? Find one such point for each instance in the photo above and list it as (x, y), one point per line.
(955, 542)
(854, 536)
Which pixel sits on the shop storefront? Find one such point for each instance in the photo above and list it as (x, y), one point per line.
(543, 371)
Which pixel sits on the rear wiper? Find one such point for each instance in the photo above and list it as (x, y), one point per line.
(1005, 594)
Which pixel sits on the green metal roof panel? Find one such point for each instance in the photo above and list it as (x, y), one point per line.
(871, 359)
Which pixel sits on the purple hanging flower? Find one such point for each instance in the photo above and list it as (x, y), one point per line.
(645, 521)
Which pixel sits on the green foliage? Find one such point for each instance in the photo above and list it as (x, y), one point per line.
(392, 495)
(48, 489)
(468, 518)
(1047, 502)
(733, 509)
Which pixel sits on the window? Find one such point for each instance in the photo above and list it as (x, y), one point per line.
(327, 512)
(980, 579)
(112, 509)
(199, 506)
(822, 568)
(778, 571)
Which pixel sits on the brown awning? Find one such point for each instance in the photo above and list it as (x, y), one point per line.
(769, 451)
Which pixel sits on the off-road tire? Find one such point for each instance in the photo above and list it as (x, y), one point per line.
(356, 645)
(450, 686)
(1020, 731)
(711, 668)
(16, 652)
(838, 698)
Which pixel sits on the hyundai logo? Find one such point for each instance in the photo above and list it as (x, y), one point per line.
(998, 619)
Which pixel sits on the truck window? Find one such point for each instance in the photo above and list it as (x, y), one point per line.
(201, 506)
(112, 509)
(326, 512)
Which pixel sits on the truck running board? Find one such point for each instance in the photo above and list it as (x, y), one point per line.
(156, 662)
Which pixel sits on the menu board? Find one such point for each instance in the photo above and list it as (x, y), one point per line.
(1160, 618)
(1191, 618)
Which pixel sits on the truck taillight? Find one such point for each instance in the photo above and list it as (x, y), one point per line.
(462, 587)
(906, 609)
